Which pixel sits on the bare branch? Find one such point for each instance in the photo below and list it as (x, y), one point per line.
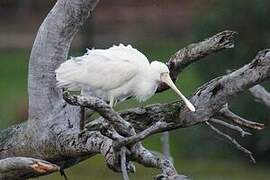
(197, 51)
(58, 124)
(230, 126)
(123, 163)
(57, 137)
(232, 141)
(9, 166)
(110, 132)
(261, 94)
(209, 99)
(227, 114)
(50, 49)
(148, 159)
(166, 145)
(158, 127)
(100, 106)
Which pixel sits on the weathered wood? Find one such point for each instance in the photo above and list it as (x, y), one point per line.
(261, 94)
(20, 165)
(52, 132)
(197, 51)
(209, 99)
(50, 49)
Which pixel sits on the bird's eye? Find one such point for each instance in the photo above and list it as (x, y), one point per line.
(162, 74)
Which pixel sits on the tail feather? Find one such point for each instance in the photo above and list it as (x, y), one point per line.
(67, 73)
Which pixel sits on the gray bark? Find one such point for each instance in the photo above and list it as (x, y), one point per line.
(261, 94)
(20, 165)
(52, 132)
(165, 140)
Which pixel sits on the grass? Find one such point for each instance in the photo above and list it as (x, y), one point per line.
(13, 86)
(200, 169)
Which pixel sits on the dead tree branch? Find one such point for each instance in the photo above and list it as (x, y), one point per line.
(52, 131)
(230, 126)
(106, 111)
(9, 166)
(227, 114)
(165, 140)
(232, 141)
(157, 127)
(123, 163)
(197, 51)
(261, 94)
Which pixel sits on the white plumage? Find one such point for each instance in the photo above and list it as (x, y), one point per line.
(115, 74)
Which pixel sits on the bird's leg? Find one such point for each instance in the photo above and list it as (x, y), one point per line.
(111, 101)
(115, 102)
(82, 118)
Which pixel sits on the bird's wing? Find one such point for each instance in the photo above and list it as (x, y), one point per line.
(121, 52)
(95, 71)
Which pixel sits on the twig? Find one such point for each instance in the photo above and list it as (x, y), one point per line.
(232, 141)
(62, 173)
(236, 128)
(261, 94)
(157, 127)
(227, 114)
(149, 159)
(123, 164)
(166, 145)
(108, 131)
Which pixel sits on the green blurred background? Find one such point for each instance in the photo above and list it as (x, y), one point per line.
(158, 28)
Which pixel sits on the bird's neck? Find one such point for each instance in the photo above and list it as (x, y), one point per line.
(147, 86)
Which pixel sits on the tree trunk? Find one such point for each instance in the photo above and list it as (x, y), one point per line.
(52, 133)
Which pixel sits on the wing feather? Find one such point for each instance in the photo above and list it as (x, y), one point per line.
(121, 52)
(95, 71)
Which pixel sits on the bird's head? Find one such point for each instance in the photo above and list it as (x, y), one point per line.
(162, 74)
(159, 69)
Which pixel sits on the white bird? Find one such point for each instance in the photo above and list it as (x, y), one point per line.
(115, 74)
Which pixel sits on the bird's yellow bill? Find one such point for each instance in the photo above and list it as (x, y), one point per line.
(167, 79)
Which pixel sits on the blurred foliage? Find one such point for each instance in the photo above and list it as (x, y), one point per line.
(13, 86)
(200, 169)
(197, 151)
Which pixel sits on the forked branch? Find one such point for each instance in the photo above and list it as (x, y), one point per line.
(227, 114)
(231, 126)
(53, 130)
(232, 141)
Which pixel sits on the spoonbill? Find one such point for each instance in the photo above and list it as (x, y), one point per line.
(115, 74)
